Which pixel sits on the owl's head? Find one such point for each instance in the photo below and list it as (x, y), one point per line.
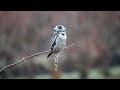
(59, 29)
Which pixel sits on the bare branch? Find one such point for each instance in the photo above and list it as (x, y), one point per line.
(24, 59)
(70, 45)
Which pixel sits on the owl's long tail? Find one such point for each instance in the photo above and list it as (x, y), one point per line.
(49, 54)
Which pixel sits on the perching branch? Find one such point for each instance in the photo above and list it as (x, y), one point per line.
(24, 59)
(70, 45)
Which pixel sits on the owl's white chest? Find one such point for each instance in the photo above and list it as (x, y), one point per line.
(61, 41)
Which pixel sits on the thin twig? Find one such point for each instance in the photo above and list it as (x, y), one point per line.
(24, 59)
(70, 45)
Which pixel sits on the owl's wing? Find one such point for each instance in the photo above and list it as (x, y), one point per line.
(53, 41)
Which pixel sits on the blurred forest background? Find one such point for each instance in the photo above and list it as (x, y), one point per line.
(96, 35)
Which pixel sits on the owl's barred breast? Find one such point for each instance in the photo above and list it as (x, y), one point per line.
(61, 42)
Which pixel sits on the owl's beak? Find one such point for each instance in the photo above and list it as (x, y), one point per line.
(57, 31)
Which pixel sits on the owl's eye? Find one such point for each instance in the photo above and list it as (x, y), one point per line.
(54, 30)
(60, 27)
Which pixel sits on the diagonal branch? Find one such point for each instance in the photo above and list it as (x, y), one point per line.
(70, 45)
(24, 59)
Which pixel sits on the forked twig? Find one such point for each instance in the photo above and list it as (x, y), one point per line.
(24, 59)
